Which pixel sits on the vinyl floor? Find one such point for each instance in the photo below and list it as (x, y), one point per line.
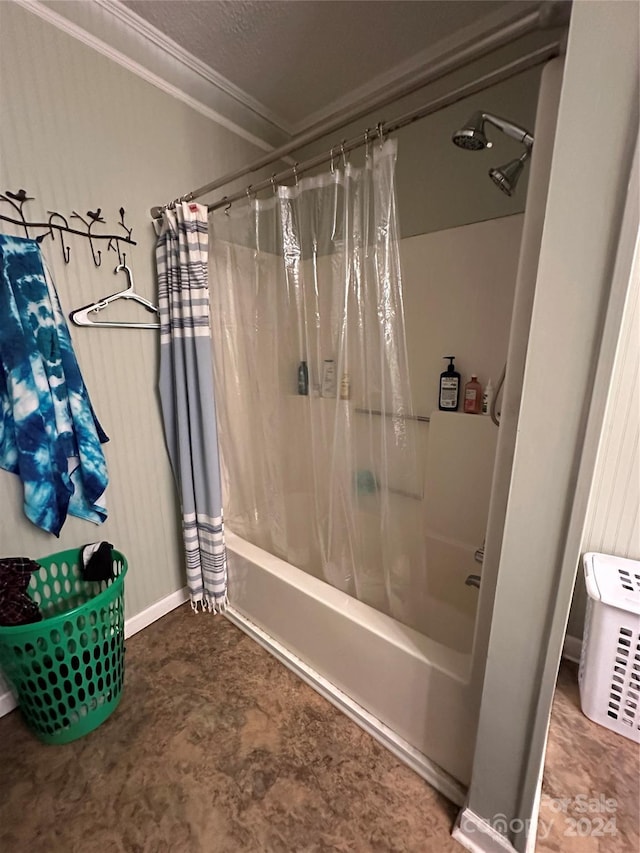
(217, 748)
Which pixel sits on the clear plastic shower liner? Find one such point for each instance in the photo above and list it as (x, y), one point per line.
(332, 486)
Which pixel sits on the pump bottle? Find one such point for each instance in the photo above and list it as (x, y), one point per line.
(449, 387)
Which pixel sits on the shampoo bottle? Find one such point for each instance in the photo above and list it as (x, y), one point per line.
(303, 378)
(487, 398)
(473, 396)
(449, 387)
(329, 378)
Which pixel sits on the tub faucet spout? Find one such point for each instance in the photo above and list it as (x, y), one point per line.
(473, 580)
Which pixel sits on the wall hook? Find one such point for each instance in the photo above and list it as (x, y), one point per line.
(114, 246)
(19, 198)
(94, 216)
(66, 251)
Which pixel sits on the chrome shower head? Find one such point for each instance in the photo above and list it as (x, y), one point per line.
(506, 177)
(471, 136)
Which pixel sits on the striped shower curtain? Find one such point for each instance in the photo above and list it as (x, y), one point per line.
(187, 398)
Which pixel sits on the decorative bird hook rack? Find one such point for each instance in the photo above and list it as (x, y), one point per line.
(17, 201)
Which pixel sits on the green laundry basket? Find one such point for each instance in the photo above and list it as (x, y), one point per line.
(68, 669)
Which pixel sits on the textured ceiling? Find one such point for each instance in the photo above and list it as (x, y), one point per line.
(297, 57)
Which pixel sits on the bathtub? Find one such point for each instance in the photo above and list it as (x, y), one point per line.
(409, 691)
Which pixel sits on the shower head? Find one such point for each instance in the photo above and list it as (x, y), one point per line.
(506, 177)
(471, 136)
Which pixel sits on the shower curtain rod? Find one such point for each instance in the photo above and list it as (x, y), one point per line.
(548, 15)
(518, 66)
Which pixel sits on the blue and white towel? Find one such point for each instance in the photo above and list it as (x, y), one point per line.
(49, 434)
(188, 399)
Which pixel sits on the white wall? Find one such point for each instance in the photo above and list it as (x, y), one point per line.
(458, 297)
(80, 132)
(613, 517)
(458, 287)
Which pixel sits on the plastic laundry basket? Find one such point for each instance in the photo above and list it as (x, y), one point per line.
(609, 673)
(68, 669)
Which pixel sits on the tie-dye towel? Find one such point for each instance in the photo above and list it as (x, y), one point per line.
(49, 434)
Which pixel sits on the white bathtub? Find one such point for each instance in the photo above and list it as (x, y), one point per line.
(408, 690)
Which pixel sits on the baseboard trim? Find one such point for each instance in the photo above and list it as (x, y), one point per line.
(572, 648)
(155, 611)
(478, 836)
(131, 626)
(423, 766)
(7, 702)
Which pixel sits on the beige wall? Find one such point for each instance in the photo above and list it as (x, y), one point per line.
(80, 132)
(443, 186)
(613, 518)
(458, 297)
(439, 185)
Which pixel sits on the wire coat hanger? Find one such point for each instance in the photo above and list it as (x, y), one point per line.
(84, 316)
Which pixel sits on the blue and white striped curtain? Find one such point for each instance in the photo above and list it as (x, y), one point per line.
(187, 398)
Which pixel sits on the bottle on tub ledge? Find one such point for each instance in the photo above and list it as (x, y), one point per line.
(303, 379)
(329, 383)
(473, 396)
(449, 392)
(487, 398)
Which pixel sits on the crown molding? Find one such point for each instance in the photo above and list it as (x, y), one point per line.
(111, 34)
(115, 31)
(168, 46)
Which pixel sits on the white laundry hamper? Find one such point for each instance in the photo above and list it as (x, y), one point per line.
(609, 675)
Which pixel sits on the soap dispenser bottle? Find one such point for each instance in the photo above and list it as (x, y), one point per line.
(449, 387)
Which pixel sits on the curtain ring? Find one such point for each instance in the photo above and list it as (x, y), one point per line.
(344, 156)
(248, 192)
(228, 207)
(380, 133)
(273, 183)
(332, 165)
(295, 172)
(366, 144)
